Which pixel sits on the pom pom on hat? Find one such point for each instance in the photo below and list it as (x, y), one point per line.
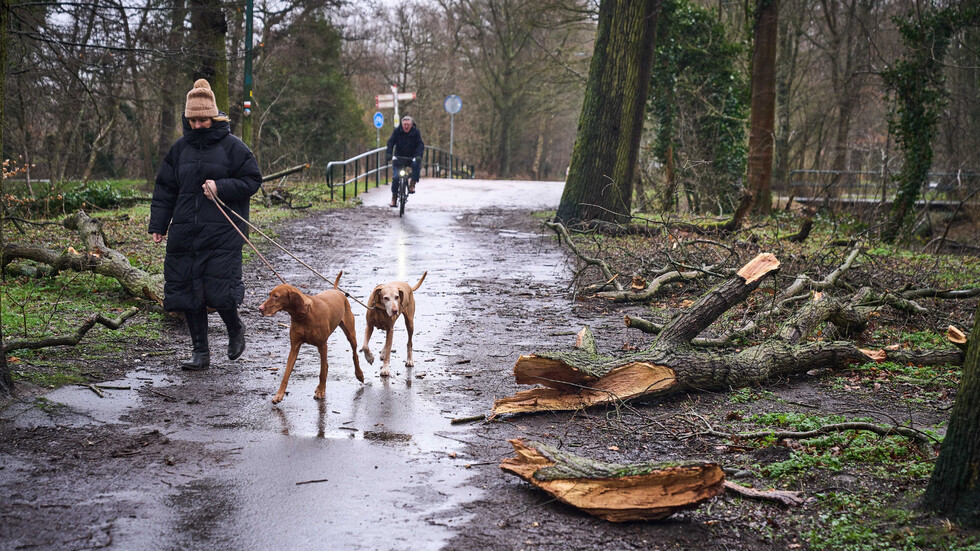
(200, 101)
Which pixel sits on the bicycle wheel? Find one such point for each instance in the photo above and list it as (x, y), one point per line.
(402, 197)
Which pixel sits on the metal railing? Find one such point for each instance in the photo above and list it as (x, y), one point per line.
(852, 186)
(361, 168)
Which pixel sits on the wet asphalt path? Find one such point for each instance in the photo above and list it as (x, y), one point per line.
(373, 466)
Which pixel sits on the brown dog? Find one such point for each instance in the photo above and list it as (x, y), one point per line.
(312, 320)
(387, 302)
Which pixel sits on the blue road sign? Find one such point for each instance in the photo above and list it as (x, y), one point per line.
(379, 120)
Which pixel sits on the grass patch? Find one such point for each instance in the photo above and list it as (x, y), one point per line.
(70, 375)
(749, 395)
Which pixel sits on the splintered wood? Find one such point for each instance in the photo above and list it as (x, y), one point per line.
(570, 389)
(617, 493)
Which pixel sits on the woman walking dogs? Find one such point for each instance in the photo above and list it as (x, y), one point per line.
(203, 266)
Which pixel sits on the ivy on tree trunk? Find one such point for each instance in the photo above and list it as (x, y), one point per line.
(918, 87)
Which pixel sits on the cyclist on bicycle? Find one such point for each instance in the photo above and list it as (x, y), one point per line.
(406, 141)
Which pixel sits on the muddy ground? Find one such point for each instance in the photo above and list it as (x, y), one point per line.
(205, 461)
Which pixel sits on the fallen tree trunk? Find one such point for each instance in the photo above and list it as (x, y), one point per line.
(582, 378)
(618, 493)
(98, 258)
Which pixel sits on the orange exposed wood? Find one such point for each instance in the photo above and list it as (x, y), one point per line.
(655, 495)
(758, 267)
(622, 383)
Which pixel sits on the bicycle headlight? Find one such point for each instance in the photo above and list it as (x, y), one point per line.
(403, 173)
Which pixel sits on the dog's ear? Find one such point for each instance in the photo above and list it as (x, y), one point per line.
(401, 297)
(375, 297)
(295, 301)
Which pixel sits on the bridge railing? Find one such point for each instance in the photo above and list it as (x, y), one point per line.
(371, 165)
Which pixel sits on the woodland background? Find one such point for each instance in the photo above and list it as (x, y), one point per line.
(95, 89)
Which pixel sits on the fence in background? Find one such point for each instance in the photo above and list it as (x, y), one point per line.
(361, 169)
(942, 190)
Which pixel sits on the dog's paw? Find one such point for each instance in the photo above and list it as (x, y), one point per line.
(409, 362)
(359, 374)
(385, 373)
(319, 393)
(278, 398)
(368, 356)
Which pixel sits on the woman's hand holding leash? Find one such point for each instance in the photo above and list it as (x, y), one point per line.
(210, 189)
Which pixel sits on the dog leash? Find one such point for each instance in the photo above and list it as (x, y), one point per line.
(222, 207)
(216, 200)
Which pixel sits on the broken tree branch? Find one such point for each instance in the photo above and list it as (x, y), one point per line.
(617, 493)
(70, 340)
(785, 497)
(592, 261)
(915, 435)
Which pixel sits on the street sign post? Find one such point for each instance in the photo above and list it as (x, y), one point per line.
(390, 101)
(452, 104)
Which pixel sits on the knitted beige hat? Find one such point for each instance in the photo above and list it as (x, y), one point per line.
(200, 101)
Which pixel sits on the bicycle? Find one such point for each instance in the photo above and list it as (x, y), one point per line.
(400, 182)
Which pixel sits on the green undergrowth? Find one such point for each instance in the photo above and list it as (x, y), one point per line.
(863, 488)
(869, 521)
(851, 450)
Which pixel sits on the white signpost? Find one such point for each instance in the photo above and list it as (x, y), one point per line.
(389, 101)
(452, 104)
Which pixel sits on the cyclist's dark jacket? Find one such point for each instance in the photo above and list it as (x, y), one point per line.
(203, 266)
(406, 144)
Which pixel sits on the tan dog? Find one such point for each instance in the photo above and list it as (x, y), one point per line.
(387, 302)
(312, 320)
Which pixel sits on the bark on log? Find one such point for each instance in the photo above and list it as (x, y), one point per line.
(583, 378)
(617, 493)
(99, 258)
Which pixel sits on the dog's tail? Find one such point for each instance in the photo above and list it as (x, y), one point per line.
(419, 284)
(336, 282)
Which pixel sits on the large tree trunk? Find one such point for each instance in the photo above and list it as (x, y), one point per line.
(603, 166)
(618, 493)
(954, 489)
(6, 381)
(763, 107)
(582, 378)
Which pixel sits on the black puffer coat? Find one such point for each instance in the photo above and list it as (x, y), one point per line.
(406, 144)
(203, 266)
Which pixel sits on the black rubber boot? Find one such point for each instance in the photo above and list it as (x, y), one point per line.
(197, 324)
(236, 333)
